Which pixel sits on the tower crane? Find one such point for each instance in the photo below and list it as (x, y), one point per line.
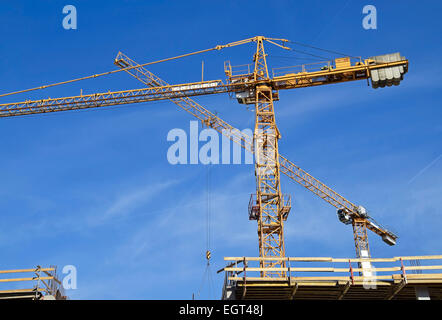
(251, 85)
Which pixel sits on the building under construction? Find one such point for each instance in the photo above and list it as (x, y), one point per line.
(320, 278)
(273, 274)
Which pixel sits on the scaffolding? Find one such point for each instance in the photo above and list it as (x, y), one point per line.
(40, 284)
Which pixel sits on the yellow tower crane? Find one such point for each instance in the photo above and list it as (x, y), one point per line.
(252, 84)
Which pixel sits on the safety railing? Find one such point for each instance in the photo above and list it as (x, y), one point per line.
(326, 65)
(307, 67)
(35, 283)
(253, 208)
(320, 270)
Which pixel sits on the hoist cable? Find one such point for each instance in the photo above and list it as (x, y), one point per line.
(294, 58)
(208, 210)
(310, 54)
(207, 271)
(322, 49)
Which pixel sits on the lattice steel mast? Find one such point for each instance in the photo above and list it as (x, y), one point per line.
(268, 187)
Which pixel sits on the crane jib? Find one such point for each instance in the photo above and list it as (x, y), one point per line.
(252, 87)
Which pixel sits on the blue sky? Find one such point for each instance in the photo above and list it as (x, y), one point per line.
(94, 188)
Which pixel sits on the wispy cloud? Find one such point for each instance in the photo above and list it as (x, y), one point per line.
(89, 217)
(124, 204)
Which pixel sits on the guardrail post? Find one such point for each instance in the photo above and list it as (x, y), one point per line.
(244, 269)
(404, 274)
(289, 272)
(351, 272)
(38, 274)
(244, 277)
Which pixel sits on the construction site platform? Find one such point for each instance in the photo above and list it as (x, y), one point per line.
(322, 278)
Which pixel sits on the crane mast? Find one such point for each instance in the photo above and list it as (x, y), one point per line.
(268, 186)
(361, 237)
(269, 206)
